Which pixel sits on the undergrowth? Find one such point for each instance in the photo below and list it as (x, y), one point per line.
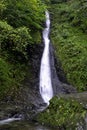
(70, 42)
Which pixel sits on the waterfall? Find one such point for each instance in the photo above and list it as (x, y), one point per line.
(46, 90)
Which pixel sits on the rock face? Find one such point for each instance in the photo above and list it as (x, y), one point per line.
(59, 81)
(28, 100)
(66, 112)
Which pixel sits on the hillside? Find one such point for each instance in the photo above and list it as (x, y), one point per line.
(68, 35)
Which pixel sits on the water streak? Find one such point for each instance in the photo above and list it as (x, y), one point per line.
(46, 90)
(6, 121)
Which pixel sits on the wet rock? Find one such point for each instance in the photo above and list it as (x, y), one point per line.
(59, 81)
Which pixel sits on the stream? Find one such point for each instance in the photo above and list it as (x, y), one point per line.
(24, 125)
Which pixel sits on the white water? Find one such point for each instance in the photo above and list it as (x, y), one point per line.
(45, 71)
(6, 121)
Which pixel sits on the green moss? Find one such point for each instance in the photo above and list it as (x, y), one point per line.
(70, 43)
(63, 113)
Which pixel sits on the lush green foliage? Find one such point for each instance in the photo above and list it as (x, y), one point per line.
(57, 1)
(70, 40)
(24, 13)
(20, 26)
(5, 75)
(14, 39)
(63, 113)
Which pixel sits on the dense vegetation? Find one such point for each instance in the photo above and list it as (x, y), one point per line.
(69, 30)
(63, 113)
(20, 26)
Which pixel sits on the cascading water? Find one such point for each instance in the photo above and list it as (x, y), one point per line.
(6, 121)
(46, 90)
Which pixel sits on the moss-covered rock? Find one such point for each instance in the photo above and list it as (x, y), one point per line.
(64, 113)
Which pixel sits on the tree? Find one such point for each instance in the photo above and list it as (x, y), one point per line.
(28, 13)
